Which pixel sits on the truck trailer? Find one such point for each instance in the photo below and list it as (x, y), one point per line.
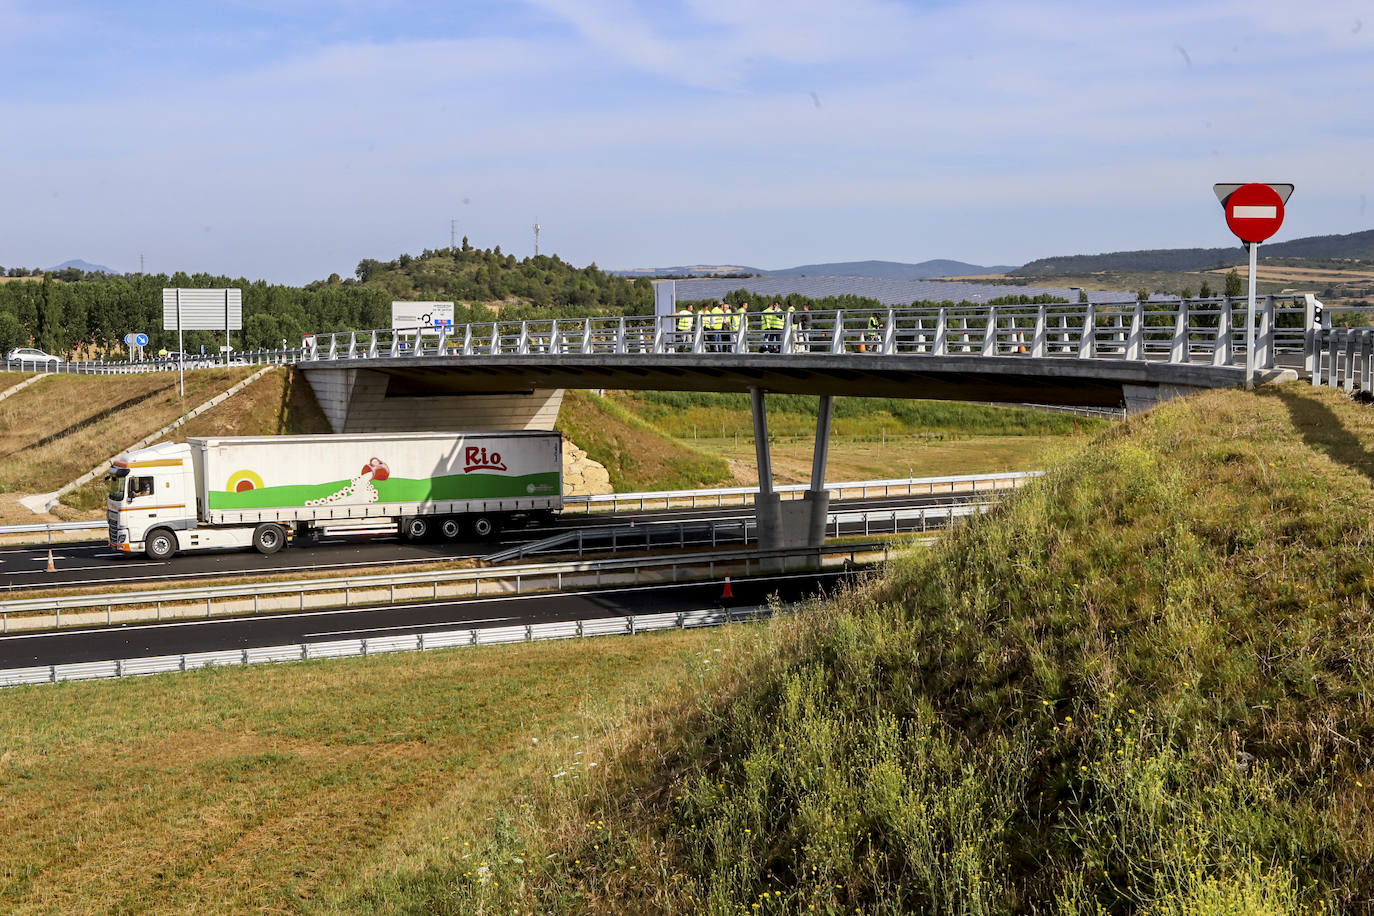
(258, 491)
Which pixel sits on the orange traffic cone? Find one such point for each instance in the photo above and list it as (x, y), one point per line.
(51, 567)
(729, 592)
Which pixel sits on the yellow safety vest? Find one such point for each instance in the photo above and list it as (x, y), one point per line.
(684, 321)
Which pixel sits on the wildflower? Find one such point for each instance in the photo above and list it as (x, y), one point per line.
(1068, 718)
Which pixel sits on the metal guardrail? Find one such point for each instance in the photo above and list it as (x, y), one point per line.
(377, 645)
(898, 486)
(713, 532)
(1212, 331)
(1342, 358)
(713, 496)
(125, 367)
(432, 585)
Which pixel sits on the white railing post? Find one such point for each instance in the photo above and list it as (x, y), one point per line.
(1039, 334)
(395, 343)
(1264, 343)
(1224, 350)
(419, 343)
(522, 347)
(442, 347)
(837, 345)
(941, 333)
(333, 347)
(586, 335)
(890, 333)
(990, 333)
(1311, 337)
(1178, 345)
(494, 348)
(698, 333)
(1087, 340)
(620, 346)
(658, 332)
(352, 344)
(1135, 340)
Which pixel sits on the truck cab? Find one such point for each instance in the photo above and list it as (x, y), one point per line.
(152, 499)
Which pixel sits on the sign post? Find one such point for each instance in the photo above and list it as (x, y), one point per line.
(1254, 212)
(200, 310)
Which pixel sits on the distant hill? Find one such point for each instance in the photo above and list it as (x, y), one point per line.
(882, 270)
(83, 266)
(889, 270)
(1353, 246)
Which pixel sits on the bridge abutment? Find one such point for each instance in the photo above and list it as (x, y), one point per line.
(368, 401)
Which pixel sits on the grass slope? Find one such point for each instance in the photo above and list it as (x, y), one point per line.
(1143, 686)
(269, 789)
(279, 403)
(637, 456)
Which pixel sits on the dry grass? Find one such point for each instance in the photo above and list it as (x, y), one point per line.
(60, 427)
(260, 789)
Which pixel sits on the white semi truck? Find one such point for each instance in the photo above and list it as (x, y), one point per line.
(257, 491)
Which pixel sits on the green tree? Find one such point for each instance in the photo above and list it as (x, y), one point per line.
(1234, 285)
(1206, 292)
(1187, 292)
(1142, 294)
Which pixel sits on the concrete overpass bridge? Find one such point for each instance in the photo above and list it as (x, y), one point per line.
(511, 374)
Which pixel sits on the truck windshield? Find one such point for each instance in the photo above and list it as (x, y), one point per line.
(116, 479)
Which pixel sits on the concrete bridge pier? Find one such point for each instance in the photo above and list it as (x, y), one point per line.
(795, 523)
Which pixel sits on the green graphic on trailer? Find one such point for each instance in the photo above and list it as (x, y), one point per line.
(451, 488)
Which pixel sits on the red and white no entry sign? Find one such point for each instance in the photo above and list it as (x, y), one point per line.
(1254, 211)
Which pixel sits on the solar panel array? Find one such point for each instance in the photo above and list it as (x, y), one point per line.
(894, 293)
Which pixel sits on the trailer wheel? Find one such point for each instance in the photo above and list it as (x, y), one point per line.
(160, 544)
(484, 526)
(268, 538)
(450, 528)
(416, 528)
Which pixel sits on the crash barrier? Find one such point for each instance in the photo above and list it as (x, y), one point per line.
(713, 532)
(26, 614)
(718, 496)
(377, 645)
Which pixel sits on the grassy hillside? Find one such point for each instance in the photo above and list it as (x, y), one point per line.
(63, 425)
(279, 403)
(266, 789)
(636, 455)
(871, 438)
(1144, 686)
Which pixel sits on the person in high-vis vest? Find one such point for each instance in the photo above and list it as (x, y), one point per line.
(715, 324)
(874, 335)
(772, 322)
(685, 318)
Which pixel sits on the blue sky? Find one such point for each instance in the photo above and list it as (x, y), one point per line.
(288, 140)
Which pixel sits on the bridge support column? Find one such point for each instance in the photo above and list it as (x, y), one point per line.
(767, 505)
(817, 497)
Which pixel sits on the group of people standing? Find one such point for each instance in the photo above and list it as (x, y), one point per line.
(721, 326)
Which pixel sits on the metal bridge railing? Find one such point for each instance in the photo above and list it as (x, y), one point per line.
(1211, 331)
(1341, 358)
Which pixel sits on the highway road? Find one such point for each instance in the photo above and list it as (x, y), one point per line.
(94, 564)
(176, 638)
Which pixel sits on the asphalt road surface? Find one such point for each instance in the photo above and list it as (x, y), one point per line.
(176, 638)
(24, 568)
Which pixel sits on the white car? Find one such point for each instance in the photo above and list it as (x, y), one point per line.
(31, 355)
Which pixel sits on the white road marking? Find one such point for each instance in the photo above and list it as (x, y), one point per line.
(409, 626)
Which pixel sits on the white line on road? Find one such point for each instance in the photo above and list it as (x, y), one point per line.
(409, 626)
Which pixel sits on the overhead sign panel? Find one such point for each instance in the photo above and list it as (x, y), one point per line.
(412, 316)
(202, 309)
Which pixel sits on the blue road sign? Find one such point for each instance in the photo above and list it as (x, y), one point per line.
(140, 340)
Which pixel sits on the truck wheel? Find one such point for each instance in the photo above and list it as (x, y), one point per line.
(268, 538)
(160, 544)
(415, 529)
(450, 528)
(484, 526)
